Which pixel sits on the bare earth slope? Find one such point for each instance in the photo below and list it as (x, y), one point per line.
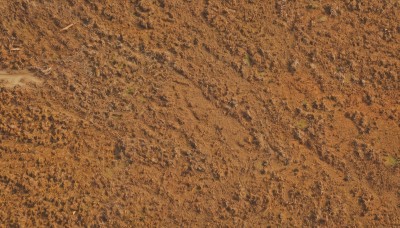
(199, 113)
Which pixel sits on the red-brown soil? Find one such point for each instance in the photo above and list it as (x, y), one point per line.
(200, 113)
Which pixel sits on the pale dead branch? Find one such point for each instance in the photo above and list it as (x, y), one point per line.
(66, 28)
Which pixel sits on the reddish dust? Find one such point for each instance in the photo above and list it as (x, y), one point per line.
(199, 113)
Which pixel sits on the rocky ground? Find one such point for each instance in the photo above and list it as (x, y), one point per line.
(199, 113)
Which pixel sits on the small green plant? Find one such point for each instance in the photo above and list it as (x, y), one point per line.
(130, 91)
(302, 124)
(391, 161)
(141, 99)
(247, 59)
(261, 74)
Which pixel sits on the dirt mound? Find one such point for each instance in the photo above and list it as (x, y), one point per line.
(200, 113)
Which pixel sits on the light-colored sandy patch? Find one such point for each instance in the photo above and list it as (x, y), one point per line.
(21, 78)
